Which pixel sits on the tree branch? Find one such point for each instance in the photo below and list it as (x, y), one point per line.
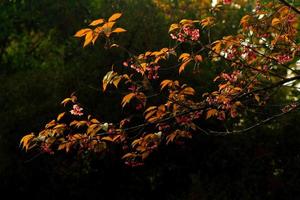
(255, 125)
(290, 6)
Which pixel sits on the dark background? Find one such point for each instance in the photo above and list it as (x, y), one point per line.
(41, 63)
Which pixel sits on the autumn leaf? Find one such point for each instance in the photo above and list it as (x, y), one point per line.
(245, 20)
(126, 99)
(107, 138)
(211, 112)
(61, 146)
(60, 116)
(217, 46)
(25, 141)
(119, 30)
(275, 21)
(184, 56)
(208, 21)
(171, 137)
(88, 38)
(150, 114)
(165, 83)
(114, 17)
(83, 32)
(65, 101)
(183, 65)
(107, 78)
(97, 22)
(173, 27)
(188, 91)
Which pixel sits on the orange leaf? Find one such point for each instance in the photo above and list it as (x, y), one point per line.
(107, 138)
(173, 27)
(97, 22)
(149, 114)
(184, 56)
(127, 98)
(26, 140)
(65, 101)
(82, 32)
(217, 46)
(119, 30)
(61, 115)
(88, 38)
(188, 91)
(183, 65)
(114, 17)
(165, 83)
(211, 112)
(245, 20)
(275, 21)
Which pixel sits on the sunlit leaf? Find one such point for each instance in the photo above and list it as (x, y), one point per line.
(97, 22)
(165, 83)
(88, 38)
(114, 17)
(211, 112)
(60, 116)
(83, 32)
(126, 99)
(119, 30)
(183, 65)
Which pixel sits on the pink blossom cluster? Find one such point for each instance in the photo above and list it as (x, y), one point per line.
(282, 59)
(152, 72)
(248, 54)
(77, 110)
(233, 77)
(186, 33)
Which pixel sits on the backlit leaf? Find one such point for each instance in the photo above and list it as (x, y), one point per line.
(210, 113)
(119, 30)
(88, 38)
(97, 22)
(60, 116)
(126, 99)
(114, 17)
(83, 32)
(183, 65)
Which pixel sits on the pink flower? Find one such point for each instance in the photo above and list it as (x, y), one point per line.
(77, 110)
(195, 34)
(180, 37)
(227, 2)
(282, 59)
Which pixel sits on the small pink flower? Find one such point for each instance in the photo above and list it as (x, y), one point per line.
(125, 64)
(282, 59)
(227, 2)
(173, 36)
(180, 37)
(77, 110)
(195, 34)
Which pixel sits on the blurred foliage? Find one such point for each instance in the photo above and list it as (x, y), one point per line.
(41, 63)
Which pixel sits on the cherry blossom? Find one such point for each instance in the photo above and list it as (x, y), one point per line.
(77, 110)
